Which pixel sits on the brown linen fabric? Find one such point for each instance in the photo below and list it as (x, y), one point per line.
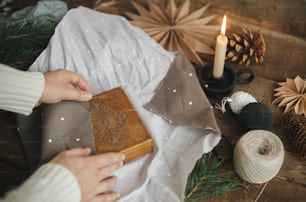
(66, 125)
(180, 99)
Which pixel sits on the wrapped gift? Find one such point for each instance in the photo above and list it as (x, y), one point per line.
(117, 127)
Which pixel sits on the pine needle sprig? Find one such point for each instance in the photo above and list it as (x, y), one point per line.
(205, 181)
(21, 44)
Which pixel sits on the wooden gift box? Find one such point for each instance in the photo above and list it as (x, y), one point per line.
(117, 127)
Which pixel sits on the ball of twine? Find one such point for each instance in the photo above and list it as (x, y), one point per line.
(239, 100)
(258, 156)
(256, 116)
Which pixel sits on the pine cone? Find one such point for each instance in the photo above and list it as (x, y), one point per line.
(295, 130)
(246, 47)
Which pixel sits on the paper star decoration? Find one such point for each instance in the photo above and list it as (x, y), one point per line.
(292, 94)
(178, 29)
(107, 6)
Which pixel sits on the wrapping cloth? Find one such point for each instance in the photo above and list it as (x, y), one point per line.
(180, 98)
(109, 52)
(66, 125)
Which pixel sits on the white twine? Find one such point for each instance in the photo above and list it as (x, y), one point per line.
(223, 103)
(258, 156)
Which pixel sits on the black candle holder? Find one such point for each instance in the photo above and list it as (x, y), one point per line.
(223, 86)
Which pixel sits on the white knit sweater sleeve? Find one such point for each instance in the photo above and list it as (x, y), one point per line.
(20, 91)
(50, 183)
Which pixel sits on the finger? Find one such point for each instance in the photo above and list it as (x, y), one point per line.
(106, 185)
(106, 159)
(107, 170)
(108, 197)
(79, 152)
(78, 80)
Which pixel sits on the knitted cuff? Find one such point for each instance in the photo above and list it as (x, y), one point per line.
(51, 182)
(20, 90)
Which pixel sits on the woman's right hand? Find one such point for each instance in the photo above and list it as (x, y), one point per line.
(92, 172)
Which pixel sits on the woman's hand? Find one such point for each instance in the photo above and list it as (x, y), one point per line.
(64, 85)
(92, 172)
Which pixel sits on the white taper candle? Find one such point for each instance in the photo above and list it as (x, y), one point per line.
(221, 46)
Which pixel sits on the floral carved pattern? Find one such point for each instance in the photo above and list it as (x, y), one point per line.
(109, 123)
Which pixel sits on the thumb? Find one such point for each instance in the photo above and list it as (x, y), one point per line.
(77, 95)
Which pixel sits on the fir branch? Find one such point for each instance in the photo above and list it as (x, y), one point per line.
(21, 44)
(205, 180)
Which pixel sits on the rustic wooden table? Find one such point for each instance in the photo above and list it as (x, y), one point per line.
(283, 25)
(290, 183)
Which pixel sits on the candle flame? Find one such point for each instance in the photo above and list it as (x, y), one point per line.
(223, 27)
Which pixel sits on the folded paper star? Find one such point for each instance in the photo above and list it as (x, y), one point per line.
(177, 28)
(107, 6)
(292, 94)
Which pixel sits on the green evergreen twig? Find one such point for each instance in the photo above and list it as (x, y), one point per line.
(20, 45)
(205, 180)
